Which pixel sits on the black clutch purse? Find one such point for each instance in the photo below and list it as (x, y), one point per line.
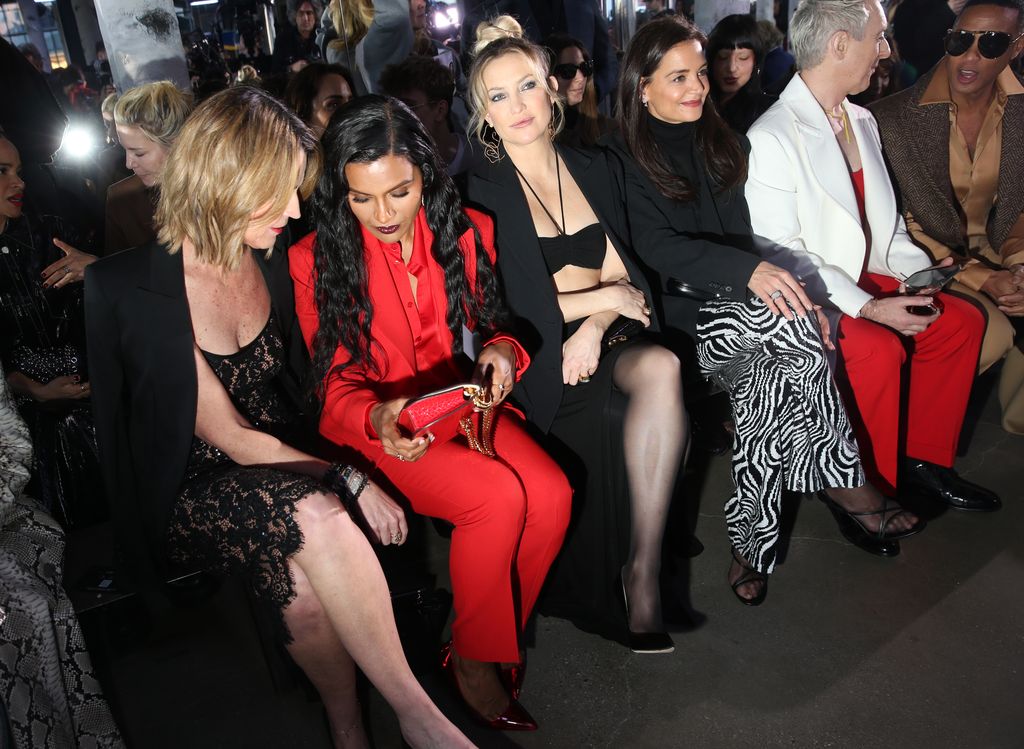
(620, 331)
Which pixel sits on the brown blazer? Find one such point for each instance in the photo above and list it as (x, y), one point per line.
(916, 143)
(129, 217)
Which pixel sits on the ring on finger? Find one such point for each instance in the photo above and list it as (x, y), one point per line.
(584, 378)
(775, 294)
(396, 537)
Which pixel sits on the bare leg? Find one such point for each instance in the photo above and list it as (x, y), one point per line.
(319, 653)
(654, 440)
(344, 574)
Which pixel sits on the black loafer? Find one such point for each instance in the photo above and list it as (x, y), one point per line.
(944, 485)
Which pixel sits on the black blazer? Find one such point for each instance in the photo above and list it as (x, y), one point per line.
(529, 290)
(144, 386)
(669, 242)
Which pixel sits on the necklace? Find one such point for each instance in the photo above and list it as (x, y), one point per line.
(561, 205)
(840, 122)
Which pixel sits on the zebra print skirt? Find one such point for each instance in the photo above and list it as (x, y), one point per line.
(792, 432)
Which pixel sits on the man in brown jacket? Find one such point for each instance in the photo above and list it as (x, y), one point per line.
(955, 144)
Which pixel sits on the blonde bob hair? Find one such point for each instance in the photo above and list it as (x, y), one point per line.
(495, 38)
(157, 109)
(235, 161)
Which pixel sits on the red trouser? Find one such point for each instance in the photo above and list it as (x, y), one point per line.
(510, 515)
(943, 360)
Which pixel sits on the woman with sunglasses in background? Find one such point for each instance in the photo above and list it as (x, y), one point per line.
(734, 54)
(573, 71)
(955, 136)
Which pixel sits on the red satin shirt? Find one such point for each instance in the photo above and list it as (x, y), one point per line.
(412, 344)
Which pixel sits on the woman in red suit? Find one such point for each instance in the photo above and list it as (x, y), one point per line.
(384, 288)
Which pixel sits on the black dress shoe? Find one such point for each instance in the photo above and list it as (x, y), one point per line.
(944, 485)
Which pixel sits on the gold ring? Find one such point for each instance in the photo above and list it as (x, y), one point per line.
(396, 537)
(584, 378)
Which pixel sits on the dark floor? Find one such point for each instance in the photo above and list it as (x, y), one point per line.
(849, 650)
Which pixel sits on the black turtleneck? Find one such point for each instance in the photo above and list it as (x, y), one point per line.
(678, 143)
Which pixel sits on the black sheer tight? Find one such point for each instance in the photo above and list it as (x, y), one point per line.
(655, 434)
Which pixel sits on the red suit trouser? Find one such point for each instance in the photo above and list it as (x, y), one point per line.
(943, 360)
(510, 514)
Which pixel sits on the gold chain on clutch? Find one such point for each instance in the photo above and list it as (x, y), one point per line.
(484, 443)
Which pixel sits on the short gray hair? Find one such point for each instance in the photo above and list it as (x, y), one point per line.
(814, 23)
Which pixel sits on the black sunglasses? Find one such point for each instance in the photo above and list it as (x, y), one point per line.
(567, 71)
(991, 44)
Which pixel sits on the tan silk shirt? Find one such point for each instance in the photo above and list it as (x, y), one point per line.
(975, 183)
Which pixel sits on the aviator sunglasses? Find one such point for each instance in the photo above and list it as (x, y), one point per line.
(567, 71)
(991, 44)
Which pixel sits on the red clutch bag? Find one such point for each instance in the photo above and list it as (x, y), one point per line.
(449, 411)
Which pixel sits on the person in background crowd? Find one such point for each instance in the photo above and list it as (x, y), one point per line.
(755, 330)
(574, 284)
(296, 47)
(573, 71)
(887, 79)
(248, 75)
(734, 55)
(99, 68)
(428, 88)
(31, 53)
(954, 144)
(42, 343)
(777, 63)
(110, 161)
(918, 28)
(395, 271)
(829, 200)
(47, 684)
(317, 91)
(147, 119)
(204, 320)
(366, 37)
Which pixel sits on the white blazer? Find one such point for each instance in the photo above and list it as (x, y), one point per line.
(801, 197)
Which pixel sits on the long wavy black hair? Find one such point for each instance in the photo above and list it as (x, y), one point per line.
(721, 149)
(366, 129)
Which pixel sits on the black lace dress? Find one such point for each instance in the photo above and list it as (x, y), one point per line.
(240, 519)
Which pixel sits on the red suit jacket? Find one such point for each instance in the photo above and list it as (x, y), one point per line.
(350, 395)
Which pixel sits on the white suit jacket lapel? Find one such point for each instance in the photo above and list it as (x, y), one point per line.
(824, 156)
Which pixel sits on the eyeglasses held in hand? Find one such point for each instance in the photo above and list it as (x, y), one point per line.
(567, 71)
(991, 44)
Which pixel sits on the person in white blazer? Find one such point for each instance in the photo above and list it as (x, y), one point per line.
(818, 187)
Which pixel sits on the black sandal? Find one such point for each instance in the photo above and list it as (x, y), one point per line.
(750, 575)
(875, 542)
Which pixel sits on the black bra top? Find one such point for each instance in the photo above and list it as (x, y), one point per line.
(584, 249)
